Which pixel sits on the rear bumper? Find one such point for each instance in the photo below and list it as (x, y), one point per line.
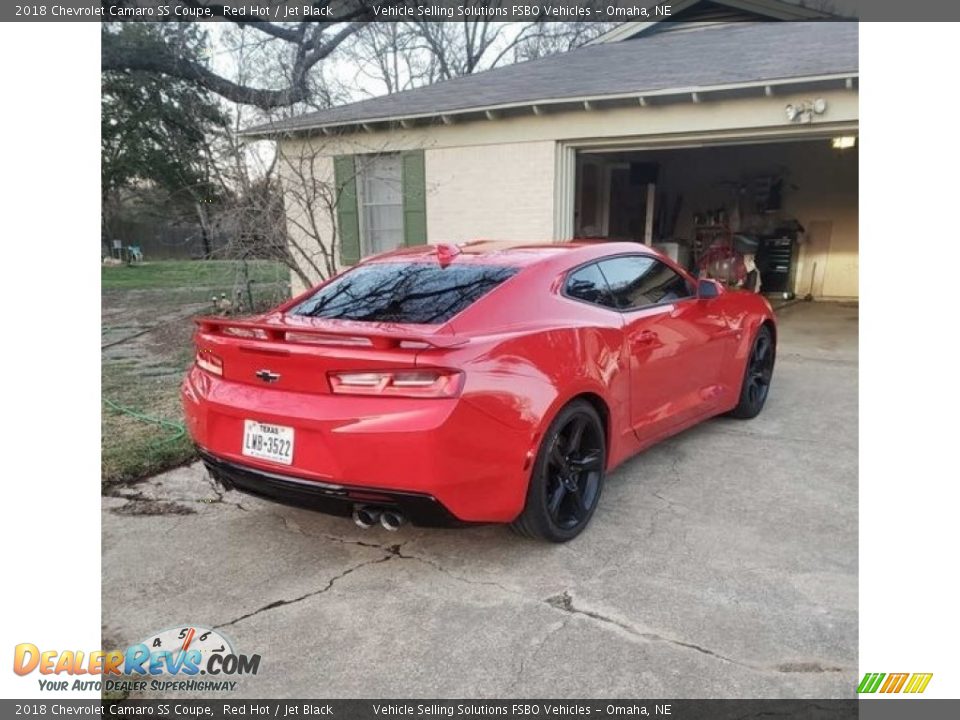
(330, 498)
(409, 451)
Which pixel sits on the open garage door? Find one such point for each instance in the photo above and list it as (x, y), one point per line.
(798, 197)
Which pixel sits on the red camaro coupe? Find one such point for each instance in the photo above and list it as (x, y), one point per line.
(485, 382)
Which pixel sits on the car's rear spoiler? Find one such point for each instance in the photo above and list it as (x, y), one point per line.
(378, 337)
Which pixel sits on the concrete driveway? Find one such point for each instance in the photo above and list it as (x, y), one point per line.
(722, 563)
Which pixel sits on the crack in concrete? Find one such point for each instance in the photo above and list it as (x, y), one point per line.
(521, 668)
(564, 602)
(220, 491)
(397, 551)
(215, 486)
(294, 527)
(109, 488)
(165, 504)
(330, 583)
(139, 505)
(470, 581)
(676, 476)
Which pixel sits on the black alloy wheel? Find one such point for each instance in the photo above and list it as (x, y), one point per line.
(567, 478)
(758, 376)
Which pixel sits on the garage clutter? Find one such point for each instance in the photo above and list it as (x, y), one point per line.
(747, 243)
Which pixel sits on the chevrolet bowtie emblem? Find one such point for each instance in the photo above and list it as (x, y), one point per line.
(267, 376)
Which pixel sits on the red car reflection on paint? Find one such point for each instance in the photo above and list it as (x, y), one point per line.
(486, 382)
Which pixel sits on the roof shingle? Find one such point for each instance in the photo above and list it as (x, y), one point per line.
(693, 59)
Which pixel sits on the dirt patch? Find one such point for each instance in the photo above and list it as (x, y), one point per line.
(146, 341)
(153, 507)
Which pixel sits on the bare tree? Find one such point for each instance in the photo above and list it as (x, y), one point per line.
(558, 37)
(310, 199)
(282, 207)
(304, 44)
(404, 55)
(466, 47)
(393, 54)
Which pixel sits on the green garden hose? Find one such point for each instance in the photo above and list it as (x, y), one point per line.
(178, 428)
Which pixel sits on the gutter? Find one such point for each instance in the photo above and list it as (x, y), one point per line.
(540, 106)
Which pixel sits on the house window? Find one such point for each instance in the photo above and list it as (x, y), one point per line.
(380, 201)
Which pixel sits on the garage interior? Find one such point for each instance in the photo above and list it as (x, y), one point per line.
(796, 198)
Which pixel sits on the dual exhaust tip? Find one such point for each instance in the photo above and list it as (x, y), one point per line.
(366, 516)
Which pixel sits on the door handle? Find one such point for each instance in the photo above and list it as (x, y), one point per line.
(647, 337)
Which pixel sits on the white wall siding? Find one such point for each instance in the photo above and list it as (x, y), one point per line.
(497, 192)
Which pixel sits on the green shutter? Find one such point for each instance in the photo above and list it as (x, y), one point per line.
(414, 198)
(348, 217)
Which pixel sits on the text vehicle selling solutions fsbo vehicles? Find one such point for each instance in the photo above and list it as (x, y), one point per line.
(486, 382)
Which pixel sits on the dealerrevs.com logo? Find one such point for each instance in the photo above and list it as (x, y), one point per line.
(894, 683)
(170, 660)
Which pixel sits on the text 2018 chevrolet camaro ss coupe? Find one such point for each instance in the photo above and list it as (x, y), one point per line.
(485, 382)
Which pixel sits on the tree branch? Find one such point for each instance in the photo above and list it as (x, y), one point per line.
(311, 48)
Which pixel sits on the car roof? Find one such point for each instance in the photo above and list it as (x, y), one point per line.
(512, 253)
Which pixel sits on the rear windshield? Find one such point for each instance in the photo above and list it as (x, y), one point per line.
(423, 293)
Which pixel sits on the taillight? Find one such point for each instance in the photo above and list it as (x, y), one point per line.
(242, 332)
(397, 383)
(206, 360)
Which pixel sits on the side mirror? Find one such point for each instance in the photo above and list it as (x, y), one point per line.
(707, 289)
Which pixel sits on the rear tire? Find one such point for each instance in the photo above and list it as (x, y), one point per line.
(567, 477)
(756, 376)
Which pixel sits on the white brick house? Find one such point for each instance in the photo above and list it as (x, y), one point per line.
(562, 147)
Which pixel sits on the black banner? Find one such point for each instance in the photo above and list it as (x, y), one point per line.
(448, 10)
(874, 709)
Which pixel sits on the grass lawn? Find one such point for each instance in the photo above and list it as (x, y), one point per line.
(188, 273)
(132, 445)
(147, 316)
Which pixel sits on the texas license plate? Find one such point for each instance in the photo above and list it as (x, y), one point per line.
(268, 442)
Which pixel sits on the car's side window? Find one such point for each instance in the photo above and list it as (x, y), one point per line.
(637, 281)
(589, 285)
